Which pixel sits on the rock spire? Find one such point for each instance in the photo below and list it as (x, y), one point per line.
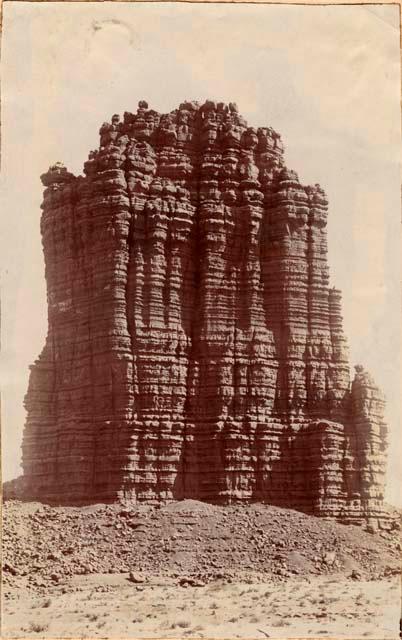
(194, 347)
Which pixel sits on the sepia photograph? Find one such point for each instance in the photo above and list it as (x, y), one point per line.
(200, 320)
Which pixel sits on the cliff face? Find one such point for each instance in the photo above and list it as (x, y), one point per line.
(194, 347)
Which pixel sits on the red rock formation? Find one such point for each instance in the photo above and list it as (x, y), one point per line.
(194, 346)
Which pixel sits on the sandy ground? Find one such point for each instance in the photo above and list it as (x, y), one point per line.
(110, 606)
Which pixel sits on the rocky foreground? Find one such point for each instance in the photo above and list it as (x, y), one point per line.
(128, 570)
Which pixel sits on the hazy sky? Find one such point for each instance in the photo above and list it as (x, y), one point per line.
(326, 78)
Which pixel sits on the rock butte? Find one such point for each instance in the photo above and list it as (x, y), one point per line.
(195, 349)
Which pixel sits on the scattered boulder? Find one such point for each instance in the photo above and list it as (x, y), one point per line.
(356, 575)
(137, 578)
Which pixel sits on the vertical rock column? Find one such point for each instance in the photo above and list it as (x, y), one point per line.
(319, 446)
(214, 331)
(243, 261)
(324, 487)
(370, 429)
(160, 179)
(327, 368)
(110, 342)
(338, 374)
(51, 373)
(286, 279)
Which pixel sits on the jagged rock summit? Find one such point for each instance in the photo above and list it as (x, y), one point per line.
(195, 349)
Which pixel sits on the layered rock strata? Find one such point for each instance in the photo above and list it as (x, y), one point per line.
(195, 349)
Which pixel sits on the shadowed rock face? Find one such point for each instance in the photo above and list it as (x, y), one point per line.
(195, 349)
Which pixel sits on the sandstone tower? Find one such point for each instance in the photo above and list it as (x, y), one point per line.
(194, 346)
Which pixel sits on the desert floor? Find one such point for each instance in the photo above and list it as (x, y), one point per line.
(111, 606)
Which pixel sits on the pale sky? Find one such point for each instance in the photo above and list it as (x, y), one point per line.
(326, 78)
